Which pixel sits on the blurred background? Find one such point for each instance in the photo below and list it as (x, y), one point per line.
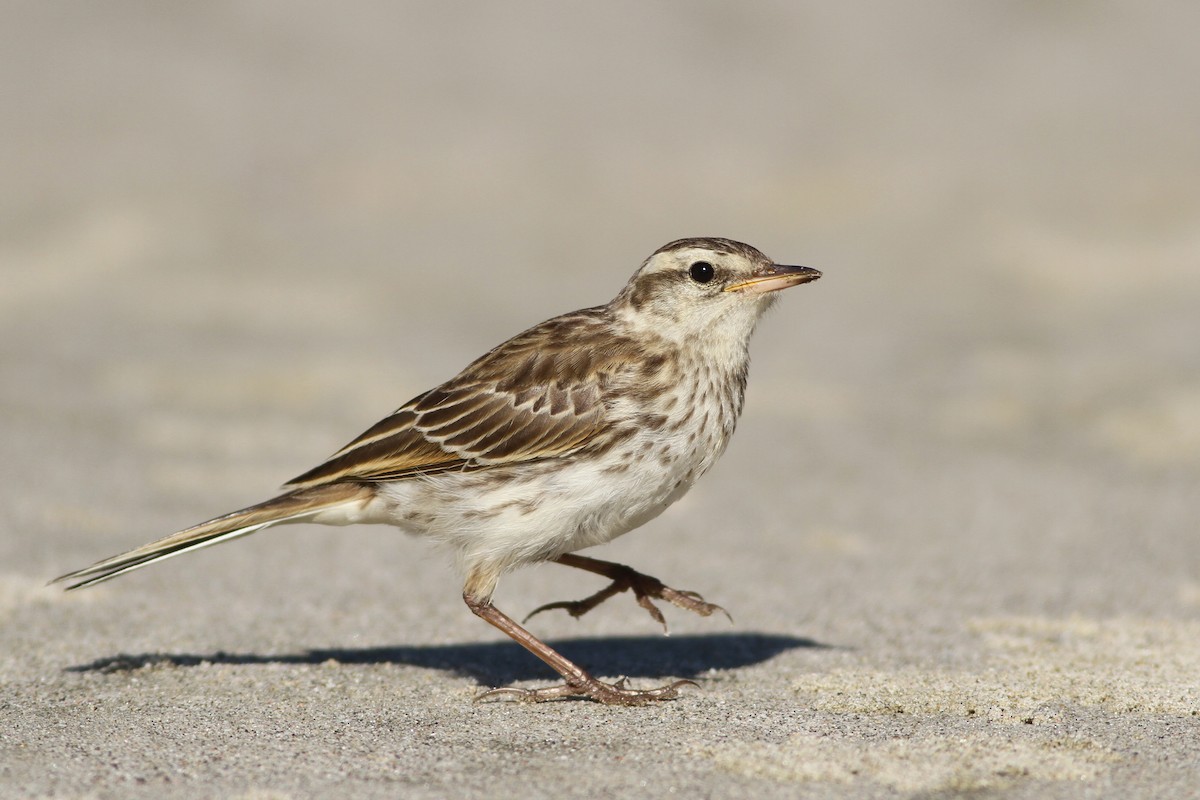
(232, 235)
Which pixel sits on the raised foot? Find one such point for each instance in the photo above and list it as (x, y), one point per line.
(645, 589)
(613, 694)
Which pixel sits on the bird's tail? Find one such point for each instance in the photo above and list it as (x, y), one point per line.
(295, 506)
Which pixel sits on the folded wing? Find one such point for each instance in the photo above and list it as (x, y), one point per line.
(531, 399)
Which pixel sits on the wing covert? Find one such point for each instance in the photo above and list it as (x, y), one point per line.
(539, 395)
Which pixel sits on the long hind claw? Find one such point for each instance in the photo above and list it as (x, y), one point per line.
(614, 694)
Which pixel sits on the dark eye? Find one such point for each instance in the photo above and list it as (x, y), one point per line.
(702, 272)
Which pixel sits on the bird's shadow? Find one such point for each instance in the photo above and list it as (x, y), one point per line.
(500, 663)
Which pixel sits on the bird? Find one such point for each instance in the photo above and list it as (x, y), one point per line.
(564, 437)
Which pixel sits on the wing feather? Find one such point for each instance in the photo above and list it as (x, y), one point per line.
(452, 409)
(467, 436)
(540, 395)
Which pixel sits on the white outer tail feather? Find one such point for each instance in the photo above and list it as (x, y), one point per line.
(302, 505)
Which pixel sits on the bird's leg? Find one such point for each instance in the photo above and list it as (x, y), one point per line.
(645, 590)
(578, 682)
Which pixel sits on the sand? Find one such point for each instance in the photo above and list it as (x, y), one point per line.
(956, 529)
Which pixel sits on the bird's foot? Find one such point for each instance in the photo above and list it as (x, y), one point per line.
(613, 694)
(645, 589)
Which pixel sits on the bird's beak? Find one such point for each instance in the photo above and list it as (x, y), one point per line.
(774, 278)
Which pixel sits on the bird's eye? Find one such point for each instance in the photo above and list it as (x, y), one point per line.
(702, 272)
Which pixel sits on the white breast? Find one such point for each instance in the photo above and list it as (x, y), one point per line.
(509, 516)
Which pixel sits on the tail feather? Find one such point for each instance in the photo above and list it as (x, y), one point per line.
(295, 506)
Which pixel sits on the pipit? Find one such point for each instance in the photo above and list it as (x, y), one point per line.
(564, 437)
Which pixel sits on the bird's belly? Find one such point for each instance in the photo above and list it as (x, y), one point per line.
(506, 517)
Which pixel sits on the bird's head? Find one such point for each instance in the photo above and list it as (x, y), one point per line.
(706, 287)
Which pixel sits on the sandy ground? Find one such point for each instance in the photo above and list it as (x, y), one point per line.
(956, 530)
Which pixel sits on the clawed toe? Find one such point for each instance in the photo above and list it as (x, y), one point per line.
(616, 693)
(576, 608)
(646, 590)
(692, 601)
(578, 683)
